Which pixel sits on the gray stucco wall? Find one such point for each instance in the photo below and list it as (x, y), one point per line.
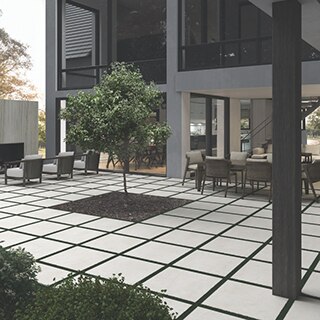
(19, 123)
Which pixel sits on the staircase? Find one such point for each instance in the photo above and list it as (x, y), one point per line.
(308, 105)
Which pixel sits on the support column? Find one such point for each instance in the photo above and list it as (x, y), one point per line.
(235, 124)
(178, 104)
(220, 129)
(208, 126)
(286, 149)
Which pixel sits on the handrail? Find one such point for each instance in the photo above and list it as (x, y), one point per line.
(270, 117)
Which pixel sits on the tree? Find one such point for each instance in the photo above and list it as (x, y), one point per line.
(314, 121)
(14, 61)
(115, 117)
(42, 128)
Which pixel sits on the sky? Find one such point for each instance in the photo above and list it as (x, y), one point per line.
(25, 22)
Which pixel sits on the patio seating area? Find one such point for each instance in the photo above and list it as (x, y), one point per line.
(213, 255)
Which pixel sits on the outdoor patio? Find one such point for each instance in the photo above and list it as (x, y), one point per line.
(213, 256)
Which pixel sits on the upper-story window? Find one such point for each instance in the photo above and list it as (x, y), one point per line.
(141, 36)
(79, 46)
(226, 33)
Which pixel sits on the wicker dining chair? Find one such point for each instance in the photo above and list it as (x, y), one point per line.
(218, 169)
(258, 171)
(193, 158)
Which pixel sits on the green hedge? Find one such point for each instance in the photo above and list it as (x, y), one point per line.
(93, 299)
(18, 283)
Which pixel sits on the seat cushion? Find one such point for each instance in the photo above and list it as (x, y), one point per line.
(66, 154)
(259, 156)
(258, 151)
(194, 157)
(30, 157)
(50, 168)
(15, 173)
(79, 164)
(193, 167)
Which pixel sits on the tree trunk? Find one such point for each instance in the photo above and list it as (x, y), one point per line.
(126, 164)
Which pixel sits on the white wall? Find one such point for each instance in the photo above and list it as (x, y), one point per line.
(19, 123)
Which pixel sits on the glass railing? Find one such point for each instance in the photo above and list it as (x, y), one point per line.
(88, 76)
(234, 53)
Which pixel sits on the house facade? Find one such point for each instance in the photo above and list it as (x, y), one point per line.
(210, 58)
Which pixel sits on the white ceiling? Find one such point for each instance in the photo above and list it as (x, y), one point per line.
(257, 93)
(310, 18)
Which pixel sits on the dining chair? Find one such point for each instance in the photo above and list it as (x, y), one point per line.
(193, 158)
(217, 168)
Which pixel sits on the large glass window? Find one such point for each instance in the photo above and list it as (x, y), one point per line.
(222, 33)
(141, 36)
(79, 46)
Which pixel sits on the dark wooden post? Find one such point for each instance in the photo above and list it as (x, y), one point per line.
(287, 148)
(208, 126)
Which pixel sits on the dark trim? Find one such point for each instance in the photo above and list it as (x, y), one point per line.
(226, 127)
(208, 126)
(58, 126)
(59, 44)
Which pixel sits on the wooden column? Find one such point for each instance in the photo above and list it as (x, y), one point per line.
(208, 126)
(286, 148)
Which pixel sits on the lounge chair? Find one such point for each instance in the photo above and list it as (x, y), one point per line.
(62, 164)
(89, 162)
(30, 168)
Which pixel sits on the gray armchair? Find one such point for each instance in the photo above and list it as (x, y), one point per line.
(63, 164)
(30, 168)
(89, 162)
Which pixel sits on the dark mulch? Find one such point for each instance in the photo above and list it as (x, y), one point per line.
(118, 205)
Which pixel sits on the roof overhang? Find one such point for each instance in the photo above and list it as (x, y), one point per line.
(310, 18)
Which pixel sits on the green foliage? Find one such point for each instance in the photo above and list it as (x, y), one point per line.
(41, 128)
(115, 117)
(159, 133)
(95, 299)
(18, 282)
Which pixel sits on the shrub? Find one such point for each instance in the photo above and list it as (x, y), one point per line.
(95, 299)
(18, 282)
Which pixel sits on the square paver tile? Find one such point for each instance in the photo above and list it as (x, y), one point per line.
(158, 252)
(185, 238)
(15, 221)
(181, 283)
(201, 205)
(45, 213)
(49, 275)
(42, 228)
(114, 243)
(304, 308)
(9, 238)
(247, 233)
(76, 235)
(106, 224)
(255, 272)
(133, 270)
(167, 221)
(232, 246)
(206, 226)
(237, 209)
(258, 223)
(48, 202)
(202, 313)
(312, 287)
(18, 209)
(77, 258)
(43, 247)
(223, 217)
(249, 300)
(143, 230)
(186, 212)
(215, 263)
(75, 218)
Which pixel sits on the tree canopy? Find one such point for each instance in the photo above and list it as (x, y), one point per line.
(14, 61)
(115, 117)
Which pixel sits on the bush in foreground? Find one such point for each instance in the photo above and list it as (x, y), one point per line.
(94, 299)
(18, 272)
